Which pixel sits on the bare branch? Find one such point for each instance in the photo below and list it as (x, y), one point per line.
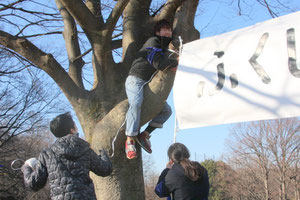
(273, 14)
(10, 6)
(157, 11)
(95, 7)
(42, 34)
(72, 45)
(115, 15)
(82, 15)
(169, 9)
(82, 55)
(115, 44)
(239, 6)
(42, 60)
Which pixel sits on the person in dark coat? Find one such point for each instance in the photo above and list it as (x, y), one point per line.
(66, 164)
(153, 56)
(182, 179)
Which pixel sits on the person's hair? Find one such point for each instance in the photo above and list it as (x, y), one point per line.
(61, 125)
(162, 24)
(179, 153)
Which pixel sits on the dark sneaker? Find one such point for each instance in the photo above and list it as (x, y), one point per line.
(143, 140)
(130, 149)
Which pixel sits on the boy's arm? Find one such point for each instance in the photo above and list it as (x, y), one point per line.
(35, 174)
(101, 164)
(158, 57)
(164, 60)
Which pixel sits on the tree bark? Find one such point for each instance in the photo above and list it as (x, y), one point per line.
(111, 126)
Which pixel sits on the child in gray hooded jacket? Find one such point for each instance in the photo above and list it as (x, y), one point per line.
(66, 164)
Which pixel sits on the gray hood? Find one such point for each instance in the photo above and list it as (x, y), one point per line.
(70, 147)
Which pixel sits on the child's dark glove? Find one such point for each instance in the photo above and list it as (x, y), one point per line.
(175, 44)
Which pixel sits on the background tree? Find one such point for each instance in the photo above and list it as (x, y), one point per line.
(25, 104)
(221, 178)
(91, 30)
(22, 147)
(211, 167)
(295, 177)
(266, 149)
(25, 101)
(150, 177)
(283, 136)
(249, 150)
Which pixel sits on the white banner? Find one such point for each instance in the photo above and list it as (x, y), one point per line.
(245, 75)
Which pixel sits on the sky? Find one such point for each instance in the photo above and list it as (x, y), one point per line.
(210, 142)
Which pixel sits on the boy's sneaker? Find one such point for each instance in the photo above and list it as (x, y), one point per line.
(143, 140)
(130, 149)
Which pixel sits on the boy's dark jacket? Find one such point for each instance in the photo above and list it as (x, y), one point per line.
(174, 182)
(67, 164)
(141, 66)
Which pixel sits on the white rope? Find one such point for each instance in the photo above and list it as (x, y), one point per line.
(15, 162)
(113, 141)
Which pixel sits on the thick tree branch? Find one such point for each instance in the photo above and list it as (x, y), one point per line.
(155, 96)
(115, 15)
(72, 45)
(136, 20)
(95, 7)
(168, 11)
(115, 44)
(44, 61)
(184, 21)
(83, 16)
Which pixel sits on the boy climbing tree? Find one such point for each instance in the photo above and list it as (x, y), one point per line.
(153, 56)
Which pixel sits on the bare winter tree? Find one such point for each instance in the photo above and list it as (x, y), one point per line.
(24, 99)
(264, 146)
(92, 30)
(295, 177)
(249, 151)
(283, 139)
(150, 178)
(25, 103)
(21, 147)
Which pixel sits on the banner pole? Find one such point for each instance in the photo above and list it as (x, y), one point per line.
(175, 123)
(175, 130)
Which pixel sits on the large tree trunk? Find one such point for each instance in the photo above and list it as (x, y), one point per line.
(126, 182)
